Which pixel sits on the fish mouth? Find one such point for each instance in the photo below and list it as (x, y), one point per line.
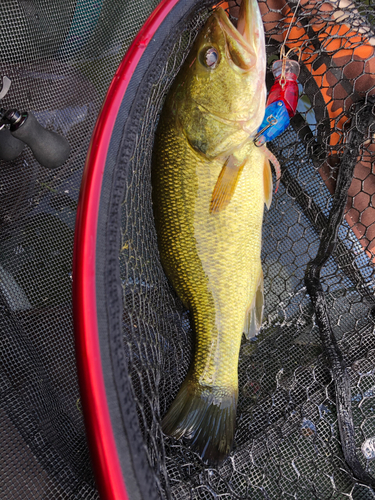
(250, 23)
(246, 42)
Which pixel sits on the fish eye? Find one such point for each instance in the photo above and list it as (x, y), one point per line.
(209, 57)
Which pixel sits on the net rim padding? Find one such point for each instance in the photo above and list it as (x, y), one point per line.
(110, 475)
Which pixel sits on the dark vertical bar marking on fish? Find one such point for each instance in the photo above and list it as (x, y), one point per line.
(364, 117)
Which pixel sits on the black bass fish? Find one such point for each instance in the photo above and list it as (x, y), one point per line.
(210, 184)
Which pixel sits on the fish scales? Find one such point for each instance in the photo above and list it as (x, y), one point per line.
(209, 243)
(216, 259)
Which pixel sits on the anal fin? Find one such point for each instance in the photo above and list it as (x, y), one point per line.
(254, 315)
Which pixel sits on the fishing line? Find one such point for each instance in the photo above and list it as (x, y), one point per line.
(282, 50)
(285, 56)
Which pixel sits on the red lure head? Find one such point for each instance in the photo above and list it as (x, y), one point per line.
(285, 87)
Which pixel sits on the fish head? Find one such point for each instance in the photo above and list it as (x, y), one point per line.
(220, 93)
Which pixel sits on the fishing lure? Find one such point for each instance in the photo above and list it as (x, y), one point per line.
(282, 100)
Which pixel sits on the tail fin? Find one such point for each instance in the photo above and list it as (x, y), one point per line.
(206, 417)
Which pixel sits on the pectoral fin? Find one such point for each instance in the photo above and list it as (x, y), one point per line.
(254, 315)
(268, 186)
(226, 184)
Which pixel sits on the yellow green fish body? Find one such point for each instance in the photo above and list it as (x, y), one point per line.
(210, 184)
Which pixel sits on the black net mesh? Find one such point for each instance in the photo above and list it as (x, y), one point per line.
(60, 57)
(287, 442)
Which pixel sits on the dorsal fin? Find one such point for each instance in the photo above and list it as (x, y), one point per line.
(226, 184)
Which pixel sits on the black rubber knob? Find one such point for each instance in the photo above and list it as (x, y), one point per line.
(10, 147)
(50, 149)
